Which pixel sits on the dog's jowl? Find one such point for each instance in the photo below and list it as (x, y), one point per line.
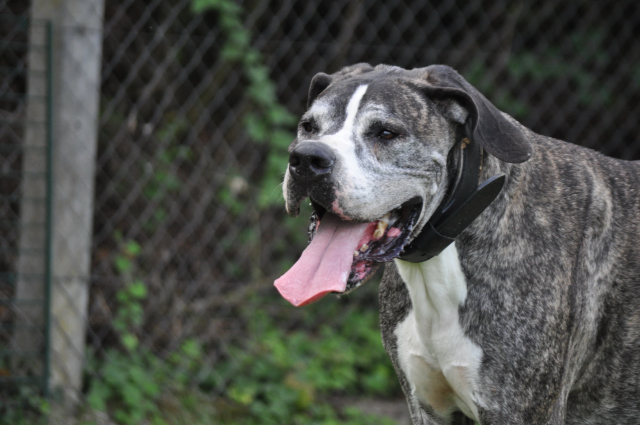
(511, 293)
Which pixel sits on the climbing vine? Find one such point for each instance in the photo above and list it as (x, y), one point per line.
(269, 122)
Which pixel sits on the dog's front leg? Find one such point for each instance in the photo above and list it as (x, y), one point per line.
(424, 415)
(557, 416)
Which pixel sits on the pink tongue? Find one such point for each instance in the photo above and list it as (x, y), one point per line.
(326, 263)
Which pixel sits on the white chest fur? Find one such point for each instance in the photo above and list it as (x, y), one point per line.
(439, 361)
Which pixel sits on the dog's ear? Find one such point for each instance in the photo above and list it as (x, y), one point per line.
(491, 129)
(321, 80)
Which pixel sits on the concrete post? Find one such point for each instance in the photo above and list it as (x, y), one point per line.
(77, 43)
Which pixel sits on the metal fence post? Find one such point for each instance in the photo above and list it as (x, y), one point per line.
(49, 211)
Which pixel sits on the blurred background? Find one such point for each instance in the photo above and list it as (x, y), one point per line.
(142, 144)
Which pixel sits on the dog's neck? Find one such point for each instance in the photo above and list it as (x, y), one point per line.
(465, 200)
(514, 178)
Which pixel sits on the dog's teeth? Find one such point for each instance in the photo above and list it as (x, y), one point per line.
(381, 227)
(364, 247)
(356, 253)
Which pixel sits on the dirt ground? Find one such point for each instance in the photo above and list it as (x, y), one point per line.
(394, 409)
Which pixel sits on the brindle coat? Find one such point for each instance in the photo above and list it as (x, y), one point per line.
(552, 267)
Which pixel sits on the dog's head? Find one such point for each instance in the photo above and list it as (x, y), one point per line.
(372, 154)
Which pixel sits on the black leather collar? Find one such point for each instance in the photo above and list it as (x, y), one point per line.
(462, 204)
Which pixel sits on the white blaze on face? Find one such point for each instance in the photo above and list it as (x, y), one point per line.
(352, 177)
(341, 142)
(352, 109)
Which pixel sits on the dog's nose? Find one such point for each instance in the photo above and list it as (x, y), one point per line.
(309, 160)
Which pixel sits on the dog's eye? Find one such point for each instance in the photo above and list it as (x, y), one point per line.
(387, 134)
(307, 126)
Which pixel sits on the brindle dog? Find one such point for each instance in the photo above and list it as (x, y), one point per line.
(532, 314)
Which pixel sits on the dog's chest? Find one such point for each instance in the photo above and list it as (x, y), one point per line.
(440, 363)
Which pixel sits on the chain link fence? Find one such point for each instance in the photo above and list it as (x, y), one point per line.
(179, 173)
(25, 237)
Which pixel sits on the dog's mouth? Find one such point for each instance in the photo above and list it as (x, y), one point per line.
(343, 254)
(382, 241)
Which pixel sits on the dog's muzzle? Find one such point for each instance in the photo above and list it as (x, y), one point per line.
(311, 166)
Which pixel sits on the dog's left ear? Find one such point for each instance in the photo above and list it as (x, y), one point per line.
(492, 130)
(318, 84)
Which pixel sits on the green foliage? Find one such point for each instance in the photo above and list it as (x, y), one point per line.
(125, 381)
(268, 122)
(128, 386)
(288, 377)
(132, 382)
(26, 407)
(555, 65)
(551, 67)
(130, 314)
(163, 180)
(134, 386)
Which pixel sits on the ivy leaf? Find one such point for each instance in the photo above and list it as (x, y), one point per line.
(133, 248)
(256, 127)
(123, 264)
(263, 94)
(98, 395)
(279, 115)
(138, 289)
(130, 341)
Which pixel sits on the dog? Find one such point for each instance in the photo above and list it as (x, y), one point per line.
(511, 291)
